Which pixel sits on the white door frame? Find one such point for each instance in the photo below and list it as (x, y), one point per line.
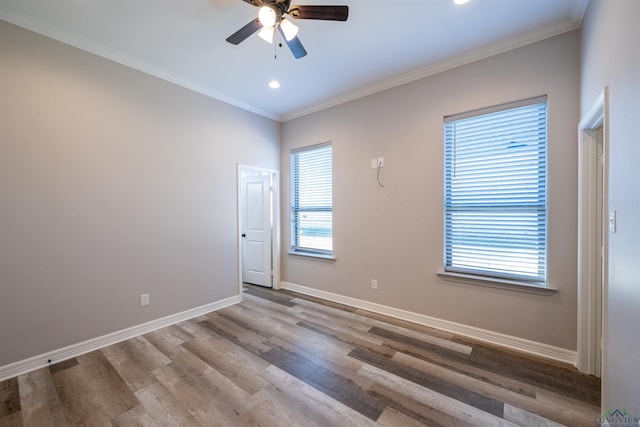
(275, 202)
(588, 251)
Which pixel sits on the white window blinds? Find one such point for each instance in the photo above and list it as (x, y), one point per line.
(312, 200)
(495, 195)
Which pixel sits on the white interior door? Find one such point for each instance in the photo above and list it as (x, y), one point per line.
(601, 260)
(256, 230)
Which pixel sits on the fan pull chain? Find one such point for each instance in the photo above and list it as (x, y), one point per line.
(277, 45)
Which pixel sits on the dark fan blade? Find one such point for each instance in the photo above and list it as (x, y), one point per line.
(254, 2)
(295, 45)
(244, 32)
(327, 13)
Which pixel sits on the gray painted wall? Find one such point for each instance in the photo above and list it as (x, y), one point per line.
(112, 184)
(394, 234)
(611, 57)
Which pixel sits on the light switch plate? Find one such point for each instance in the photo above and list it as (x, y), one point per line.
(612, 221)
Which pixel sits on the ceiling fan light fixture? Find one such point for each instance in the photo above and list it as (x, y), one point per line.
(266, 34)
(267, 16)
(271, 13)
(289, 29)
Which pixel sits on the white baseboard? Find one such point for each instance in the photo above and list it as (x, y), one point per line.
(491, 337)
(36, 362)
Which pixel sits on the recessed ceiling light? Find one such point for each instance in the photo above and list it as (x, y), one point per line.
(274, 84)
(460, 1)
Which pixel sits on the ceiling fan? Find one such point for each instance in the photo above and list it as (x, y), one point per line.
(271, 14)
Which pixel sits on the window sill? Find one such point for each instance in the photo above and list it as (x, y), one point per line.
(492, 282)
(311, 255)
(320, 257)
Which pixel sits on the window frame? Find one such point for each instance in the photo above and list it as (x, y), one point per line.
(296, 248)
(488, 275)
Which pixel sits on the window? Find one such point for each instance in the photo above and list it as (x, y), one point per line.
(495, 195)
(312, 201)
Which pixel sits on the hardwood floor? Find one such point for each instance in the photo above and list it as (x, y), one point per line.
(281, 358)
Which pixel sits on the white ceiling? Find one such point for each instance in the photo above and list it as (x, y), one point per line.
(384, 43)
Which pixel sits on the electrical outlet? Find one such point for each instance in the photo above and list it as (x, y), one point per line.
(144, 300)
(374, 284)
(380, 162)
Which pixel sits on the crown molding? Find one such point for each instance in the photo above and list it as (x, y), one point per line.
(436, 68)
(420, 73)
(128, 61)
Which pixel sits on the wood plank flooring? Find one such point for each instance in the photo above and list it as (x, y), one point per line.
(281, 358)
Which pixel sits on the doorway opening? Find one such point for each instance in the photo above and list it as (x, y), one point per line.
(258, 227)
(592, 237)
